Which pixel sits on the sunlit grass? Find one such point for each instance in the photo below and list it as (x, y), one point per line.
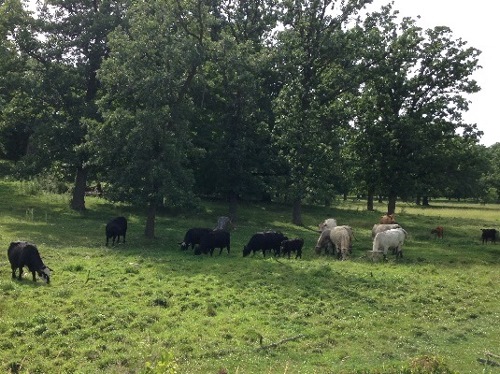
(116, 309)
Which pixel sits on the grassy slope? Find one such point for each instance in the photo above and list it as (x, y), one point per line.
(114, 309)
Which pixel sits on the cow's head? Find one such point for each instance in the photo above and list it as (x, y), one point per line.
(44, 273)
(183, 246)
(246, 251)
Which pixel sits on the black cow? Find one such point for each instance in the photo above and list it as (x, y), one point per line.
(214, 239)
(489, 234)
(292, 245)
(26, 254)
(115, 228)
(267, 240)
(193, 236)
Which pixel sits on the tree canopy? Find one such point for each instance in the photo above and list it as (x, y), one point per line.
(297, 101)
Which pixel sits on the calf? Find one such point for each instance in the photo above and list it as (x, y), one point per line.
(214, 239)
(193, 237)
(438, 231)
(26, 254)
(292, 245)
(267, 240)
(489, 234)
(115, 228)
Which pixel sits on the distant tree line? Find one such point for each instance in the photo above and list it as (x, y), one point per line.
(164, 101)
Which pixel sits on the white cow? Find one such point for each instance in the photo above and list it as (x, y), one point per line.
(342, 237)
(393, 238)
(379, 227)
(327, 224)
(338, 238)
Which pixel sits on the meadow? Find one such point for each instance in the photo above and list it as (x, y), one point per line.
(147, 307)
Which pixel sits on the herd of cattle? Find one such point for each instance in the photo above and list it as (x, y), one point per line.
(333, 239)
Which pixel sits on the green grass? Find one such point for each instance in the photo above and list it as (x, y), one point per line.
(147, 307)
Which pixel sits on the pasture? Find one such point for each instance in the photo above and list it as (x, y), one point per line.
(148, 307)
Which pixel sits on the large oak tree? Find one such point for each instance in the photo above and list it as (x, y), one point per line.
(410, 108)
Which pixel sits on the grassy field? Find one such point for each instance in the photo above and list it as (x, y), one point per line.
(148, 307)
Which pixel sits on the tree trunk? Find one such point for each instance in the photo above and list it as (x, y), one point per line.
(418, 200)
(297, 212)
(78, 199)
(233, 206)
(369, 202)
(149, 231)
(391, 206)
(425, 201)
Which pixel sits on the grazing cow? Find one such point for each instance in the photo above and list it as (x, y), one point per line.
(393, 238)
(338, 240)
(388, 218)
(324, 242)
(438, 231)
(292, 245)
(489, 234)
(26, 254)
(115, 228)
(341, 237)
(379, 227)
(224, 223)
(327, 224)
(267, 240)
(214, 239)
(193, 237)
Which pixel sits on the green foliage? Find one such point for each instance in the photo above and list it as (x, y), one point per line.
(141, 147)
(314, 58)
(410, 109)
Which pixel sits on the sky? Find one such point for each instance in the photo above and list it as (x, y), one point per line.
(474, 22)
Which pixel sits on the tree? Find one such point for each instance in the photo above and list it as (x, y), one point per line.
(143, 142)
(15, 126)
(491, 175)
(315, 57)
(411, 106)
(234, 109)
(66, 43)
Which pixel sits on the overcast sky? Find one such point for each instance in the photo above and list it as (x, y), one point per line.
(476, 23)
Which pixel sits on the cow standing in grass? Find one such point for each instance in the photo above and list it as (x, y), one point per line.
(26, 254)
(489, 235)
(438, 231)
(193, 237)
(264, 241)
(214, 239)
(393, 238)
(292, 245)
(115, 228)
